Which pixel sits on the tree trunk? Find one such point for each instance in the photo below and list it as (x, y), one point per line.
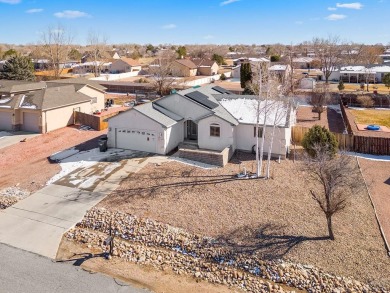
(330, 229)
(319, 114)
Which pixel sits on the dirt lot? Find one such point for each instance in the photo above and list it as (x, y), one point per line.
(377, 175)
(330, 119)
(276, 218)
(26, 164)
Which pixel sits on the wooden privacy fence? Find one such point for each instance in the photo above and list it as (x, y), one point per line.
(94, 121)
(350, 142)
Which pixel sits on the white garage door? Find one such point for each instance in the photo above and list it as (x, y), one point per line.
(135, 139)
(30, 122)
(5, 121)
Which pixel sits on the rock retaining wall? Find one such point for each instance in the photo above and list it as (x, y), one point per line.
(148, 242)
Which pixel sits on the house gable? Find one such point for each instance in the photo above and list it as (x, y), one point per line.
(183, 106)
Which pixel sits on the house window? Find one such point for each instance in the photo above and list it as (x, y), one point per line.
(260, 132)
(215, 130)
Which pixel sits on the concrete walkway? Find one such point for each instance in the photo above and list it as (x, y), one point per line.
(37, 223)
(11, 138)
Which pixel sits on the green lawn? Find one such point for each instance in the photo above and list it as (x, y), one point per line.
(378, 117)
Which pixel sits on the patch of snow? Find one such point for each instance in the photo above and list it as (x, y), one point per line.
(8, 107)
(194, 163)
(73, 159)
(4, 134)
(369, 157)
(6, 100)
(21, 101)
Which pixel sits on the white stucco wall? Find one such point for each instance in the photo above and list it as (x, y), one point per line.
(61, 117)
(184, 107)
(91, 92)
(173, 136)
(205, 141)
(134, 120)
(245, 139)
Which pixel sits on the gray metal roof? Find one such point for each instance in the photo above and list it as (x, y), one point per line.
(150, 111)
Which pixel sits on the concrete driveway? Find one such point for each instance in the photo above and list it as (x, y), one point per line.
(37, 223)
(10, 138)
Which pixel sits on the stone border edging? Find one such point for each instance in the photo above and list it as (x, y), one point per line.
(373, 206)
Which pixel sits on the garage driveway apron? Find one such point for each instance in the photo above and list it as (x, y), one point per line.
(37, 223)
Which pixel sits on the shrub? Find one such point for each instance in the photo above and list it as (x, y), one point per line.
(365, 101)
(319, 138)
(275, 58)
(223, 76)
(341, 86)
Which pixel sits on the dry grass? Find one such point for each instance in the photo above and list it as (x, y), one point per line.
(378, 117)
(381, 88)
(276, 218)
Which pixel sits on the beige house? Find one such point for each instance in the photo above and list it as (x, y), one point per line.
(42, 107)
(184, 68)
(206, 67)
(125, 65)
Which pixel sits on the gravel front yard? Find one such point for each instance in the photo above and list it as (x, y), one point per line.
(26, 164)
(276, 218)
(377, 175)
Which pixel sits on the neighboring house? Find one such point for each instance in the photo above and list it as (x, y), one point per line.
(125, 65)
(206, 67)
(302, 62)
(43, 107)
(184, 68)
(89, 67)
(236, 70)
(208, 117)
(360, 73)
(282, 71)
(113, 55)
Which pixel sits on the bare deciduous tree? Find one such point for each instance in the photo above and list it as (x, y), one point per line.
(319, 99)
(328, 51)
(98, 51)
(56, 45)
(336, 180)
(161, 73)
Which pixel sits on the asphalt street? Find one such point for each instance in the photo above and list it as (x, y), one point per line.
(25, 272)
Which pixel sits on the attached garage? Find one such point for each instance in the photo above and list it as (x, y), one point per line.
(30, 122)
(5, 121)
(136, 139)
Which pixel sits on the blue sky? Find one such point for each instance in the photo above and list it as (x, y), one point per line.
(197, 21)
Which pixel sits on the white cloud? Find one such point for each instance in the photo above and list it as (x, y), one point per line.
(34, 10)
(355, 5)
(208, 37)
(169, 26)
(299, 22)
(332, 8)
(71, 14)
(335, 17)
(10, 1)
(228, 2)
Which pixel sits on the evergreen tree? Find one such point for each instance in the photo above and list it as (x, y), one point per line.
(245, 74)
(341, 86)
(320, 139)
(18, 68)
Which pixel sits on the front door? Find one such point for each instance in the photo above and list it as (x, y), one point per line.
(192, 130)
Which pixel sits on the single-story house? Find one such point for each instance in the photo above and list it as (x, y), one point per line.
(209, 117)
(236, 70)
(282, 71)
(360, 73)
(42, 107)
(184, 68)
(89, 67)
(206, 67)
(125, 65)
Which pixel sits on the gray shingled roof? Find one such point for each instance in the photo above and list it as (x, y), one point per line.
(79, 81)
(17, 86)
(219, 111)
(150, 111)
